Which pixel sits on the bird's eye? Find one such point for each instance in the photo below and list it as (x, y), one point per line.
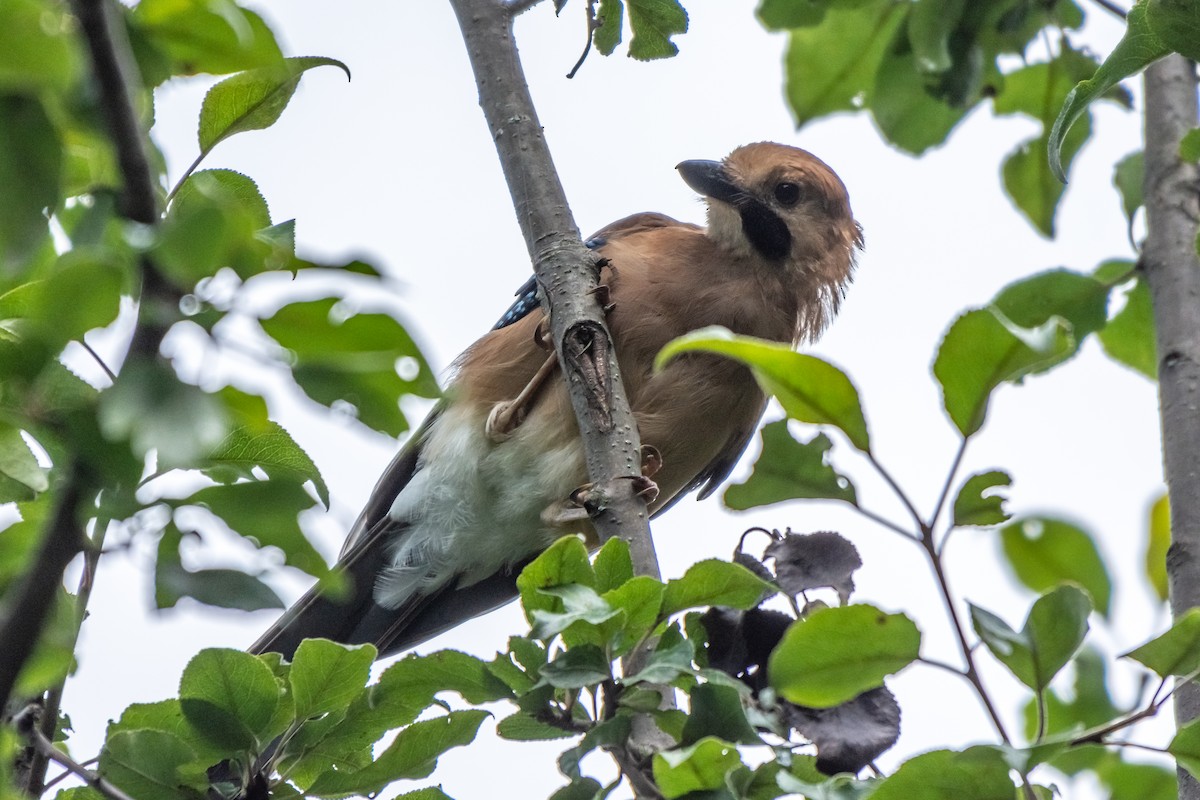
(787, 193)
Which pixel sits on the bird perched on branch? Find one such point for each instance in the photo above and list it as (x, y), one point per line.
(485, 483)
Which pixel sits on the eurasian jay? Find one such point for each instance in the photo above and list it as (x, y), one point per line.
(479, 489)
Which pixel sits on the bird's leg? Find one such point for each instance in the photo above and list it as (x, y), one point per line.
(585, 501)
(505, 416)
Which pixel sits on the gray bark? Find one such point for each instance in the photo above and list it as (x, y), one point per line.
(1172, 270)
(567, 273)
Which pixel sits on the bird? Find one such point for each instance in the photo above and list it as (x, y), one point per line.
(485, 483)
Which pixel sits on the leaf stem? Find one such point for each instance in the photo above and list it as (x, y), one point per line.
(945, 493)
(886, 523)
(970, 673)
(900, 493)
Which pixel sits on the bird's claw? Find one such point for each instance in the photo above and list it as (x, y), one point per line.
(645, 488)
(603, 294)
(575, 508)
(503, 420)
(652, 460)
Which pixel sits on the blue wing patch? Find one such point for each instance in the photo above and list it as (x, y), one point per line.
(527, 299)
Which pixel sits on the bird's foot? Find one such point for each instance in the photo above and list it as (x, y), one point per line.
(507, 415)
(603, 294)
(575, 508)
(645, 488)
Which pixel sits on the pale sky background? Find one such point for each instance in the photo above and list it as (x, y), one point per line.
(397, 167)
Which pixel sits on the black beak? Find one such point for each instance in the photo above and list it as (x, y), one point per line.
(709, 179)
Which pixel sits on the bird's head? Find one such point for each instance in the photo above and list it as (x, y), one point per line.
(785, 208)
(776, 202)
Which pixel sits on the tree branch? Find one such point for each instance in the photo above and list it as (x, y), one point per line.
(115, 73)
(1172, 271)
(23, 618)
(27, 726)
(567, 273)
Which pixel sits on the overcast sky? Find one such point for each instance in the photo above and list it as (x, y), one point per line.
(397, 167)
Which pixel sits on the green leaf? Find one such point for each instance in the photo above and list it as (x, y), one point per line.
(413, 754)
(326, 676)
(580, 604)
(198, 36)
(1052, 633)
(672, 657)
(1158, 542)
(30, 164)
(1081, 300)
(1032, 185)
(223, 588)
(1046, 552)
(836, 654)
(613, 565)
(1186, 747)
(611, 732)
(713, 582)
(146, 765)
(524, 728)
(83, 293)
(1176, 652)
(1129, 781)
(584, 665)
(981, 350)
(1128, 175)
(782, 15)
(266, 512)
(906, 112)
(53, 657)
(979, 773)
(214, 222)
(653, 23)
(641, 601)
(1189, 146)
(154, 410)
(717, 711)
(701, 767)
(353, 360)
(273, 450)
(408, 687)
(977, 504)
(831, 66)
(253, 100)
(809, 389)
(564, 562)
(1177, 25)
(930, 26)
(787, 469)
(229, 698)
(1129, 337)
(37, 47)
(1090, 706)
(608, 33)
(166, 716)
(1138, 48)
(21, 477)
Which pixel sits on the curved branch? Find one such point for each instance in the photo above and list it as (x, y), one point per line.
(567, 273)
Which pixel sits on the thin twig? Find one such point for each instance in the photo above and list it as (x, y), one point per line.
(591, 35)
(942, 665)
(96, 357)
(945, 493)
(886, 523)
(26, 723)
(1112, 8)
(900, 493)
(971, 673)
